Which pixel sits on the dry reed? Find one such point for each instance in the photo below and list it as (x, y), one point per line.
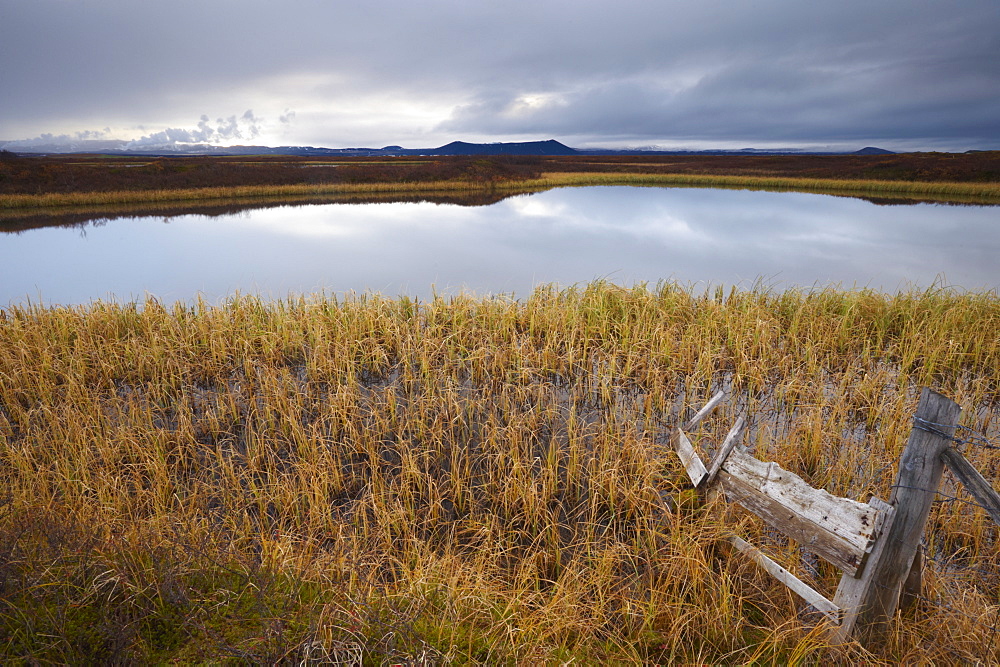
(970, 192)
(984, 192)
(464, 479)
(145, 197)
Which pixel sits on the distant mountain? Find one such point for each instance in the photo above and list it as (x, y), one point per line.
(872, 150)
(550, 147)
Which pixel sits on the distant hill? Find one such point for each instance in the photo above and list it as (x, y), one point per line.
(550, 147)
(872, 150)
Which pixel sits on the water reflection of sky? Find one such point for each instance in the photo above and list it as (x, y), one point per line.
(563, 236)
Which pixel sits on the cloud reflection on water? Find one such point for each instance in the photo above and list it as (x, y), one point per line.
(563, 236)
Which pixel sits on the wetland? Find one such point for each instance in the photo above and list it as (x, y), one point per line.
(430, 426)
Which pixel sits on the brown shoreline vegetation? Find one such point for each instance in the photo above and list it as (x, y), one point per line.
(468, 480)
(73, 181)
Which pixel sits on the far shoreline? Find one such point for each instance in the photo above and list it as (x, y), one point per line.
(29, 185)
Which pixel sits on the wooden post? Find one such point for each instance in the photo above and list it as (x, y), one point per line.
(920, 469)
(853, 590)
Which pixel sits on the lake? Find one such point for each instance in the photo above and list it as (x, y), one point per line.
(705, 237)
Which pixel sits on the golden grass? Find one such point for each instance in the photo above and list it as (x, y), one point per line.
(985, 193)
(465, 479)
(211, 206)
(145, 197)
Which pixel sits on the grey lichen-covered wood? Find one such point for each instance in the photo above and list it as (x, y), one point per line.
(840, 530)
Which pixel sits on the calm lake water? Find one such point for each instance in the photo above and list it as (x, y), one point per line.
(565, 236)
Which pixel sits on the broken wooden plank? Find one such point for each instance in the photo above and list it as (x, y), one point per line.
(825, 544)
(974, 482)
(851, 520)
(732, 439)
(689, 457)
(705, 411)
(852, 590)
(796, 585)
(840, 530)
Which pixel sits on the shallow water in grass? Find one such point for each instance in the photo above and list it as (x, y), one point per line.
(565, 236)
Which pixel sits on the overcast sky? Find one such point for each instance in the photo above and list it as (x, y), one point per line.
(901, 74)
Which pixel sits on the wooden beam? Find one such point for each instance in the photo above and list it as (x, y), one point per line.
(689, 457)
(705, 411)
(920, 469)
(974, 482)
(797, 586)
(852, 590)
(732, 439)
(840, 530)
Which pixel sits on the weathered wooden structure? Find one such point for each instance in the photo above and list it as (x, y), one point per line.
(875, 545)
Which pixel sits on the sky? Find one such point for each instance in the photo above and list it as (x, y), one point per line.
(898, 74)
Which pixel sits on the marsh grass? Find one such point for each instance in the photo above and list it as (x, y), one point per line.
(465, 479)
(972, 192)
(227, 193)
(476, 176)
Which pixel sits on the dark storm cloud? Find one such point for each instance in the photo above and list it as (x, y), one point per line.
(902, 71)
(922, 82)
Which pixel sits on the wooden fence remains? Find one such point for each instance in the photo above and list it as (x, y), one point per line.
(875, 545)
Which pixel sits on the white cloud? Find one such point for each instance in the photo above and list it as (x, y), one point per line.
(222, 132)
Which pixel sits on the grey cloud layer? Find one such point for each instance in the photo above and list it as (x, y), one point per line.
(781, 70)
